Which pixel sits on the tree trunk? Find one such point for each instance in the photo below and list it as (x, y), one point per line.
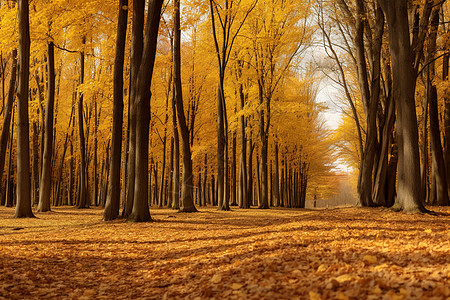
(187, 200)
(35, 168)
(233, 173)
(9, 201)
(7, 117)
(137, 42)
(439, 172)
(249, 196)
(436, 148)
(83, 193)
(445, 72)
(410, 196)
(140, 211)
(170, 184)
(112, 205)
(277, 178)
(206, 191)
(176, 159)
(243, 188)
(23, 206)
(46, 174)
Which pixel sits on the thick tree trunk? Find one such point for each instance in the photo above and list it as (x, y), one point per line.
(137, 42)
(23, 205)
(140, 211)
(7, 117)
(445, 72)
(112, 205)
(410, 196)
(46, 174)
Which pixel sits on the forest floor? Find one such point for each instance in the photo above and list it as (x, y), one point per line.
(345, 253)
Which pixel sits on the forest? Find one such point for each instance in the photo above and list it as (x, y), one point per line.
(134, 110)
(96, 127)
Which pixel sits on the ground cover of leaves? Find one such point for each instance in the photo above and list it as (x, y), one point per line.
(346, 253)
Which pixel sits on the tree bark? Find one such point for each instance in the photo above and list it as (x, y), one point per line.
(137, 42)
(83, 193)
(112, 205)
(23, 205)
(46, 174)
(7, 116)
(140, 212)
(9, 201)
(410, 196)
(187, 200)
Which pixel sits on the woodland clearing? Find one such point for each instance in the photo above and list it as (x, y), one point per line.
(345, 253)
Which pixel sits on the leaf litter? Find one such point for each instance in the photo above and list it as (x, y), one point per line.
(346, 253)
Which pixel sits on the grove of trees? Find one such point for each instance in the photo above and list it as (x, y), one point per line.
(130, 104)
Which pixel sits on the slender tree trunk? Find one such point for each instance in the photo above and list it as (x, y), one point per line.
(23, 206)
(250, 175)
(233, 173)
(243, 188)
(206, 191)
(112, 205)
(277, 178)
(170, 184)
(176, 159)
(7, 117)
(9, 202)
(187, 200)
(46, 175)
(96, 117)
(83, 193)
(35, 167)
(163, 171)
(439, 172)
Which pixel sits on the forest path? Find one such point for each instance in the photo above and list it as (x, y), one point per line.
(262, 254)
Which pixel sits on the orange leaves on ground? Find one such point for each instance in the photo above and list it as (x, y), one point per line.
(346, 253)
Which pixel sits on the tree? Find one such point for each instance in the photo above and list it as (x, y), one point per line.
(226, 13)
(410, 195)
(187, 196)
(46, 174)
(137, 44)
(140, 212)
(113, 197)
(83, 192)
(23, 206)
(7, 117)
